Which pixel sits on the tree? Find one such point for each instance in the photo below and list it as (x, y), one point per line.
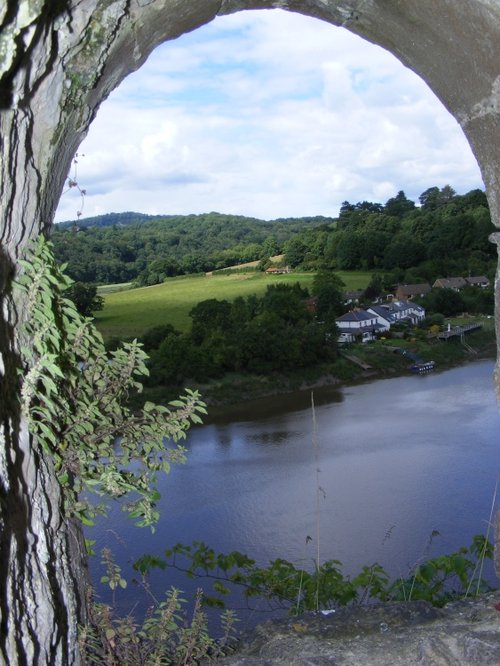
(85, 298)
(447, 302)
(286, 302)
(153, 337)
(208, 316)
(349, 249)
(295, 251)
(374, 288)
(329, 291)
(429, 199)
(404, 251)
(398, 205)
(434, 197)
(172, 360)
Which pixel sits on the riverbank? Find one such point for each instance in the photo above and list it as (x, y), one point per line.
(464, 632)
(356, 363)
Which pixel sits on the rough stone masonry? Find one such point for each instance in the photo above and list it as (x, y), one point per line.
(464, 633)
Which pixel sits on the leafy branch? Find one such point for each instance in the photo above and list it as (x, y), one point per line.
(437, 580)
(75, 397)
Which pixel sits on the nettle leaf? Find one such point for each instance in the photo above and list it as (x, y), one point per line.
(73, 387)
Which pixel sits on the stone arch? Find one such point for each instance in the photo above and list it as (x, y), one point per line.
(59, 59)
(62, 61)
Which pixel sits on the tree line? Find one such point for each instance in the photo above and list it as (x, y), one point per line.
(445, 234)
(146, 250)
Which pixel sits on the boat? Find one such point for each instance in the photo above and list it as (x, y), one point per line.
(421, 368)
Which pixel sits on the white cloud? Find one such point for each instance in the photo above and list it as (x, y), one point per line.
(268, 114)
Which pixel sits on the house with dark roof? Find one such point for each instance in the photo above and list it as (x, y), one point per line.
(478, 281)
(358, 323)
(365, 324)
(455, 283)
(352, 297)
(402, 312)
(408, 291)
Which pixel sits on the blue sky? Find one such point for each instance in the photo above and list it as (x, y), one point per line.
(267, 114)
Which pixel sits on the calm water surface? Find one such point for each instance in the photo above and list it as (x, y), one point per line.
(397, 459)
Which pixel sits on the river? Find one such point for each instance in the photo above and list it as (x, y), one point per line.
(394, 460)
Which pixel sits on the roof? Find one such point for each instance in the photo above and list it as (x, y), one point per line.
(381, 311)
(353, 295)
(479, 279)
(397, 311)
(355, 315)
(396, 307)
(413, 289)
(450, 283)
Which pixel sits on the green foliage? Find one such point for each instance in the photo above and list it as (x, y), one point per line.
(113, 576)
(478, 300)
(399, 205)
(166, 637)
(274, 333)
(374, 289)
(447, 302)
(85, 298)
(447, 577)
(75, 395)
(446, 235)
(153, 337)
(329, 290)
(436, 319)
(145, 249)
(282, 584)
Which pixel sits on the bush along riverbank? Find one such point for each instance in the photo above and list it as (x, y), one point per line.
(385, 357)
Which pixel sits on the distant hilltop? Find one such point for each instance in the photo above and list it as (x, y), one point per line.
(129, 217)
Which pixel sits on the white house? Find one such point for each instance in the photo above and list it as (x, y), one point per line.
(357, 323)
(365, 324)
(397, 311)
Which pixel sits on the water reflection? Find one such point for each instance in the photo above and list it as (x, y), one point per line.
(272, 407)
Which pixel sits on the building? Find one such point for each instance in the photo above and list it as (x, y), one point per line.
(408, 291)
(277, 270)
(358, 323)
(478, 281)
(352, 297)
(402, 312)
(455, 283)
(366, 324)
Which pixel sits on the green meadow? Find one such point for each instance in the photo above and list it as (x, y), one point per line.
(131, 312)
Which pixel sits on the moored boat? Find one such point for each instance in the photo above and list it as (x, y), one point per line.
(421, 368)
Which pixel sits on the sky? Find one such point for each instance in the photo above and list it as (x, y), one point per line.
(267, 114)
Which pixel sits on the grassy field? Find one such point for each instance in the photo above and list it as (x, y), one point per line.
(129, 313)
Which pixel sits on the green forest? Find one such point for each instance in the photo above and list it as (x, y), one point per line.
(443, 234)
(129, 247)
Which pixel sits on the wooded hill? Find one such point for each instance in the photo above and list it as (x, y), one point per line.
(133, 247)
(446, 234)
